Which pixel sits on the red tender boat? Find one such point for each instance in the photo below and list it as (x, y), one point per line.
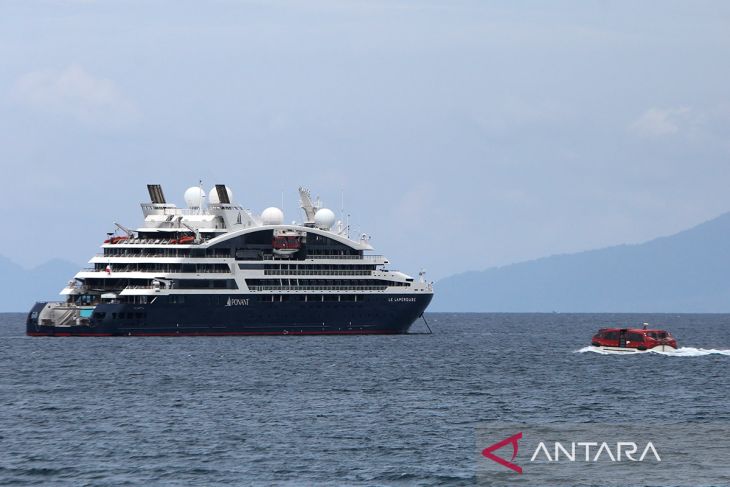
(634, 339)
(286, 244)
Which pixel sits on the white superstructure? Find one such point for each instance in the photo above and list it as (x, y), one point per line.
(214, 246)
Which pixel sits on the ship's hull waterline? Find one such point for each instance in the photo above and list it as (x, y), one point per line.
(230, 315)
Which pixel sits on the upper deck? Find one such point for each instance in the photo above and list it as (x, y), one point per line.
(209, 221)
(217, 246)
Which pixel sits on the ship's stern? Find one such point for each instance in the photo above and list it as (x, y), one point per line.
(32, 322)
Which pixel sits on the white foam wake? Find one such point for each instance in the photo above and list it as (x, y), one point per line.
(680, 352)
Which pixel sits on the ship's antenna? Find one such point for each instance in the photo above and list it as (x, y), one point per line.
(200, 186)
(342, 212)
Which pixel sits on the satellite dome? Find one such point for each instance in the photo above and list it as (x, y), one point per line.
(194, 197)
(324, 219)
(272, 216)
(213, 196)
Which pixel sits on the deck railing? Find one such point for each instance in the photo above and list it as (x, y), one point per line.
(317, 288)
(117, 270)
(278, 272)
(331, 257)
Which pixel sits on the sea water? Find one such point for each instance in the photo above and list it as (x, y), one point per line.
(333, 410)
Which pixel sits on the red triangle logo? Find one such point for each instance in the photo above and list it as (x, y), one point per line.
(487, 452)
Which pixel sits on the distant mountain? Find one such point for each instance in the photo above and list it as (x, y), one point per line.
(20, 287)
(686, 272)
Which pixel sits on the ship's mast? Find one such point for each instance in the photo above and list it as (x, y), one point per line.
(310, 209)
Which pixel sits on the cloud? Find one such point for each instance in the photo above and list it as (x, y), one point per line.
(74, 92)
(658, 122)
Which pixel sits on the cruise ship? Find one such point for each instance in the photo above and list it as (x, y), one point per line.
(217, 268)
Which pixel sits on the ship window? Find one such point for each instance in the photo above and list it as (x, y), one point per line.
(635, 337)
(114, 316)
(99, 315)
(138, 316)
(248, 254)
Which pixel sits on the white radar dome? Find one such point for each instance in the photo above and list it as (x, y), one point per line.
(272, 216)
(324, 218)
(213, 196)
(194, 197)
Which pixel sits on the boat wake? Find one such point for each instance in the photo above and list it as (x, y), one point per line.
(680, 352)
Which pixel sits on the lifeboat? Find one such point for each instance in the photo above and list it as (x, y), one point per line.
(115, 240)
(186, 240)
(286, 244)
(634, 340)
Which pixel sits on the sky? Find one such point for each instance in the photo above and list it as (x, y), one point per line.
(460, 135)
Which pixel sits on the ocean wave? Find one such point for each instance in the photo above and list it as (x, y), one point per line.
(680, 352)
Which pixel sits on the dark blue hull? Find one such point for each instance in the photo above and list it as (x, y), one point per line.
(217, 315)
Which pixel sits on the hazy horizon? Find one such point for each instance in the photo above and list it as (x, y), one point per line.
(463, 135)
